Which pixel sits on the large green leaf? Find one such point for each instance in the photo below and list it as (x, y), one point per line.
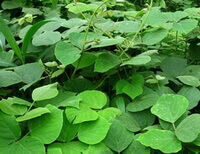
(9, 129)
(13, 4)
(144, 118)
(8, 78)
(99, 149)
(47, 127)
(145, 101)
(29, 145)
(66, 53)
(118, 137)
(132, 90)
(46, 38)
(93, 132)
(156, 18)
(63, 99)
(105, 62)
(86, 60)
(81, 7)
(137, 61)
(173, 66)
(7, 106)
(74, 147)
(93, 99)
(29, 73)
(69, 131)
(150, 39)
(137, 147)
(126, 26)
(84, 113)
(189, 129)
(45, 92)
(185, 26)
(189, 80)
(129, 122)
(163, 140)
(110, 113)
(170, 107)
(192, 94)
(33, 114)
(6, 58)
(85, 40)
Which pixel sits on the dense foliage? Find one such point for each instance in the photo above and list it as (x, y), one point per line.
(99, 77)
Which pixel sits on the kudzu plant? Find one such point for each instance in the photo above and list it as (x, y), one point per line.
(99, 77)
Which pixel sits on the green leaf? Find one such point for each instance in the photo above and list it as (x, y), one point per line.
(63, 99)
(155, 18)
(189, 80)
(9, 129)
(66, 53)
(143, 118)
(69, 131)
(77, 8)
(27, 144)
(8, 5)
(74, 147)
(138, 60)
(105, 62)
(189, 129)
(145, 101)
(185, 26)
(29, 35)
(150, 39)
(8, 78)
(120, 85)
(137, 147)
(197, 141)
(85, 40)
(163, 140)
(173, 66)
(33, 114)
(29, 73)
(10, 38)
(170, 107)
(83, 114)
(126, 26)
(19, 101)
(110, 113)
(93, 99)
(47, 127)
(45, 92)
(54, 150)
(132, 90)
(46, 38)
(118, 137)
(169, 126)
(6, 58)
(93, 132)
(8, 107)
(192, 94)
(99, 149)
(86, 60)
(108, 42)
(176, 16)
(129, 122)
(73, 22)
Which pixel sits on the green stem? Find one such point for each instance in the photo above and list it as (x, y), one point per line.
(86, 36)
(140, 28)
